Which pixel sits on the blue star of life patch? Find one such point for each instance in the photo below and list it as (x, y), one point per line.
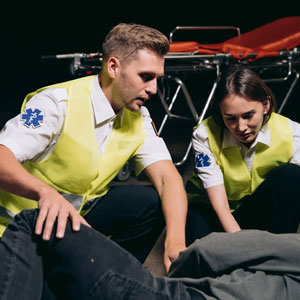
(202, 160)
(32, 118)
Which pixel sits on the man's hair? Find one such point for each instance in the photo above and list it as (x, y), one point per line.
(125, 40)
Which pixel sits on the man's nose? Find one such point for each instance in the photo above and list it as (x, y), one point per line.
(151, 87)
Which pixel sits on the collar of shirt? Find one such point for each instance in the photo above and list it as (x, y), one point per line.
(263, 137)
(103, 111)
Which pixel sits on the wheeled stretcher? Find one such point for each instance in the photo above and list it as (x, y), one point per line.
(272, 50)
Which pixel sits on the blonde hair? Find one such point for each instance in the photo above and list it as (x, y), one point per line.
(125, 40)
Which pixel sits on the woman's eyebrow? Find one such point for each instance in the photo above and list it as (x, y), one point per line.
(244, 113)
(249, 112)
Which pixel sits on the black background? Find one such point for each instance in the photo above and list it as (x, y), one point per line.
(28, 32)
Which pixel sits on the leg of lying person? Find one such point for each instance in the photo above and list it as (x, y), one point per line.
(21, 267)
(131, 216)
(82, 265)
(248, 264)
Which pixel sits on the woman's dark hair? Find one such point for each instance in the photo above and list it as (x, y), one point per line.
(241, 81)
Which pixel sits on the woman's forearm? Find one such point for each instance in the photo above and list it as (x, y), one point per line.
(218, 199)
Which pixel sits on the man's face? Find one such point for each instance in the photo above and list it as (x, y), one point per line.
(136, 80)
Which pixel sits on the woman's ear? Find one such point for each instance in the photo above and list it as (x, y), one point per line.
(266, 104)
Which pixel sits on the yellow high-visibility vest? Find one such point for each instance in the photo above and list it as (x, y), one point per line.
(75, 166)
(237, 179)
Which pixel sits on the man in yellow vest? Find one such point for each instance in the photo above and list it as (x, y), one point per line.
(71, 139)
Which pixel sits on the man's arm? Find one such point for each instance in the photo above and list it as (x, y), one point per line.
(15, 179)
(169, 185)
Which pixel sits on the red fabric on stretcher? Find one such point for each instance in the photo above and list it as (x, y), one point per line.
(190, 46)
(266, 40)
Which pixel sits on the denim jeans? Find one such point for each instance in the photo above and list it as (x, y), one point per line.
(82, 265)
(132, 216)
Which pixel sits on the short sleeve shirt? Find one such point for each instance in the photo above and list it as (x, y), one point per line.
(35, 141)
(211, 174)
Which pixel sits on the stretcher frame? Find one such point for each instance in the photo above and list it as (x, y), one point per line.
(289, 60)
(286, 61)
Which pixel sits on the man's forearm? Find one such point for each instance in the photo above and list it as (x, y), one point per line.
(15, 179)
(174, 204)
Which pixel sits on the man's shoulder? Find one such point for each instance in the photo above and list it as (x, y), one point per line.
(48, 95)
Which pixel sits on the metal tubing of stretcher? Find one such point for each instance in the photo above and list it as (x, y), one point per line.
(288, 93)
(188, 98)
(185, 156)
(208, 101)
(199, 121)
(289, 73)
(180, 86)
(168, 109)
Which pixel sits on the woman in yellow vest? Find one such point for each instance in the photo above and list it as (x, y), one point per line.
(247, 161)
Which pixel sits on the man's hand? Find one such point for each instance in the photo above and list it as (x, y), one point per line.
(53, 206)
(171, 253)
(14, 178)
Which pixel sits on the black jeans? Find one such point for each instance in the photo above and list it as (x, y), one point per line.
(274, 206)
(82, 265)
(131, 215)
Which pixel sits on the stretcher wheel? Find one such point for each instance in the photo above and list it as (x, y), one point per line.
(124, 173)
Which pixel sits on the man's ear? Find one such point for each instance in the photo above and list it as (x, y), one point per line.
(113, 66)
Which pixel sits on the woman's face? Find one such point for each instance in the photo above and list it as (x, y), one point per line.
(243, 117)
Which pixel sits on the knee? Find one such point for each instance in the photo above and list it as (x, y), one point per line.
(146, 198)
(293, 169)
(287, 173)
(151, 196)
(150, 204)
(290, 168)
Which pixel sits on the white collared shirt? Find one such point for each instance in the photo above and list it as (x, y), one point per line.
(211, 174)
(28, 143)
